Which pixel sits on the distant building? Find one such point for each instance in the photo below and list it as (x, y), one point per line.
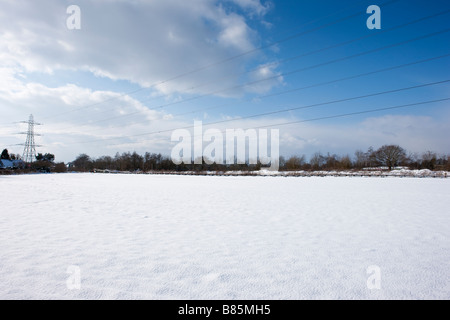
(6, 164)
(11, 164)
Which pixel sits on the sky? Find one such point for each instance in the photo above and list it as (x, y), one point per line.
(132, 72)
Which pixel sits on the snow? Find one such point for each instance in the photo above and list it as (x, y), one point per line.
(208, 237)
(370, 172)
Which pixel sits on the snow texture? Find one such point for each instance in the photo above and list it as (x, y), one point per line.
(102, 236)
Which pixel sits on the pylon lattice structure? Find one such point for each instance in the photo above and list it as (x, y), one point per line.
(29, 152)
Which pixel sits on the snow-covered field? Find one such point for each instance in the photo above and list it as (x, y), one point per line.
(100, 236)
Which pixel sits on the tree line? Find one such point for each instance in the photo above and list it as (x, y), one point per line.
(387, 156)
(43, 163)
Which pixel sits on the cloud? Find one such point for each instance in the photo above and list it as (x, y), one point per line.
(254, 6)
(144, 42)
(414, 133)
(264, 78)
(65, 131)
(148, 43)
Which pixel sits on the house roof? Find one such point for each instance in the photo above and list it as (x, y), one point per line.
(6, 164)
(10, 164)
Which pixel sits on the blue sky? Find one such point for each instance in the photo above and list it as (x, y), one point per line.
(145, 66)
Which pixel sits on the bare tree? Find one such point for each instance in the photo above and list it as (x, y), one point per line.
(346, 162)
(390, 155)
(317, 161)
(429, 160)
(361, 159)
(83, 162)
(331, 161)
(137, 161)
(295, 163)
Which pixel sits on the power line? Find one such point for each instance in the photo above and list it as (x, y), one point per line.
(322, 50)
(338, 101)
(308, 106)
(352, 77)
(280, 75)
(356, 113)
(317, 119)
(274, 112)
(297, 35)
(339, 60)
(296, 89)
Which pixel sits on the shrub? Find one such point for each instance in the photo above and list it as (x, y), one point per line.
(60, 168)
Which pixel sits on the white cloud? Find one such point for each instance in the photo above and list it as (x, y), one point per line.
(254, 6)
(414, 133)
(145, 42)
(264, 78)
(62, 131)
(235, 33)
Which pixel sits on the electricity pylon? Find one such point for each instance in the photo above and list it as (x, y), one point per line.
(29, 152)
